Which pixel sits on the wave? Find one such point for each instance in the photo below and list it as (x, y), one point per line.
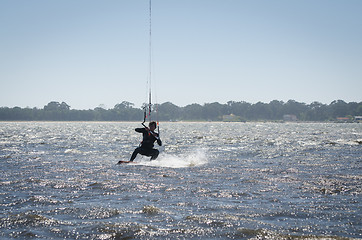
(192, 159)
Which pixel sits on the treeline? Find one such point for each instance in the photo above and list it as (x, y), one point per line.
(55, 111)
(241, 111)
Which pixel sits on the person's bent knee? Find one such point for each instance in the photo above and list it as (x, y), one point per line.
(155, 154)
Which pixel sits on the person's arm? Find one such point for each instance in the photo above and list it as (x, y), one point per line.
(140, 130)
(159, 142)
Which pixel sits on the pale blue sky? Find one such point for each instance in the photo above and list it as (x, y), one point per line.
(88, 53)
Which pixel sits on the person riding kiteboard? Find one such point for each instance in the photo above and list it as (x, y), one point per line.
(147, 144)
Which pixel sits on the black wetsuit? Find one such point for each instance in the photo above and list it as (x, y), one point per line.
(147, 144)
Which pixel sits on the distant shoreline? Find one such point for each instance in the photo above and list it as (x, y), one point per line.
(275, 111)
(175, 122)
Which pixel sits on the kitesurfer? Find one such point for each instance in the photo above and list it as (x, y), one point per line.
(147, 144)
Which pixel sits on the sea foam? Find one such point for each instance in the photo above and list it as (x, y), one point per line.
(191, 159)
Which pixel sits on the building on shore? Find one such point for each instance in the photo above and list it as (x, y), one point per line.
(290, 118)
(358, 119)
(231, 118)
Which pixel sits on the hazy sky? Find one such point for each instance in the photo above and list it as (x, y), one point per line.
(88, 53)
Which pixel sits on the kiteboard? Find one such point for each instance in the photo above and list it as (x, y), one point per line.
(121, 161)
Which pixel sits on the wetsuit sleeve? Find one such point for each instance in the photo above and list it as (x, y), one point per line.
(140, 130)
(159, 142)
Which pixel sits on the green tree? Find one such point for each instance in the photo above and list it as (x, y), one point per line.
(317, 112)
(241, 109)
(296, 108)
(214, 111)
(125, 112)
(169, 111)
(339, 108)
(276, 110)
(193, 112)
(260, 111)
(52, 106)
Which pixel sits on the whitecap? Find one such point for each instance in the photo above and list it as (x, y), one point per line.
(72, 151)
(192, 159)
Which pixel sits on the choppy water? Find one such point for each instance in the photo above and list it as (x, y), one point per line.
(211, 181)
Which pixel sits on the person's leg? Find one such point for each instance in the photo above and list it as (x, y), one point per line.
(134, 154)
(154, 154)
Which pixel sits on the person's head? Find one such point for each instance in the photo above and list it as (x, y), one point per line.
(152, 126)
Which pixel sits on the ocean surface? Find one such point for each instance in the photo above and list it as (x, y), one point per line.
(60, 180)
